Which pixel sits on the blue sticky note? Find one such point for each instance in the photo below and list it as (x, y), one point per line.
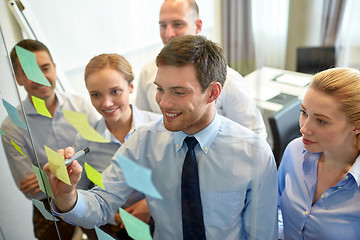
(13, 114)
(138, 177)
(40, 205)
(102, 235)
(28, 63)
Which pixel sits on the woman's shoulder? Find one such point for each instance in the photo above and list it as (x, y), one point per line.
(142, 116)
(293, 151)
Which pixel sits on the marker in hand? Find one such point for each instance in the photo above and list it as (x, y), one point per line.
(77, 155)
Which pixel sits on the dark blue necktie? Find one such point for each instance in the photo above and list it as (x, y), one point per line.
(192, 214)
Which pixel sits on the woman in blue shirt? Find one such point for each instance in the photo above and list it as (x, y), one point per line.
(109, 80)
(319, 175)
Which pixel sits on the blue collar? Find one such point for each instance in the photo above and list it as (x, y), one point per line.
(205, 137)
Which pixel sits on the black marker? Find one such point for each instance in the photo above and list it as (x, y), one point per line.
(77, 155)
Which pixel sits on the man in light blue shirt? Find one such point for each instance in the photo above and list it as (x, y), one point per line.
(55, 132)
(237, 171)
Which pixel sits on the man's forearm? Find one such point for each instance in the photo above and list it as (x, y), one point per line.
(66, 202)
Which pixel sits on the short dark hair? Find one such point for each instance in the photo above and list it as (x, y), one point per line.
(30, 45)
(207, 56)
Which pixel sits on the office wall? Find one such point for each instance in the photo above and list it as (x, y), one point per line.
(15, 209)
(303, 28)
(77, 31)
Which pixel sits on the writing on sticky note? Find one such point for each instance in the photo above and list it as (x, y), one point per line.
(138, 177)
(14, 115)
(80, 122)
(57, 165)
(40, 205)
(28, 63)
(135, 228)
(43, 180)
(40, 106)
(102, 235)
(93, 175)
(17, 148)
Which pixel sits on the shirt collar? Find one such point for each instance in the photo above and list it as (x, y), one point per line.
(355, 170)
(311, 164)
(136, 114)
(105, 132)
(30, 109)
(102, 128)
(205, 137)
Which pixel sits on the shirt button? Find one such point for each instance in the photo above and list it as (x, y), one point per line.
(177, 145)
(299, 232)
(339, 187)
(306, 212)
(322, 196)
(205, 148)
(346, 177)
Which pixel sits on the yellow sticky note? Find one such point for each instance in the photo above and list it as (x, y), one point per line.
(17, 148)
(80, 123)
(57, 165)
(94, 175)
(40, 106)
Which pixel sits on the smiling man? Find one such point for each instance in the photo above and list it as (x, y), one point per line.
(233, 193)
(55, 132)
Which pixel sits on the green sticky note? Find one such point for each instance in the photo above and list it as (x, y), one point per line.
(94, 175)
(80, 122)
(40, 106)
(1, 132)
(17, 148)
(40, 205)
(28, 63)
(44, 186)
(136, 228)
(57, 165)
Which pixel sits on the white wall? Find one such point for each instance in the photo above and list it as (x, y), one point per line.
(76, 31)
(15, 209)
